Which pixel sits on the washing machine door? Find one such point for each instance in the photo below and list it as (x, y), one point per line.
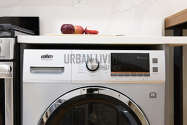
(93, 106)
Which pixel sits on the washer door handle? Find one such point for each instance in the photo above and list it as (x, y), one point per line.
(39, 69)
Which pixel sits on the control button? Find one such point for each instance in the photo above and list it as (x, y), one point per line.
(155, 60)
(152, 95)
(155, 69)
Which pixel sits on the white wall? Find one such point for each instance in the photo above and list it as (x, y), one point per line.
(129, 17)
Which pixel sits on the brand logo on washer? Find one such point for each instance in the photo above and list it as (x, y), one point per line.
(47, 56)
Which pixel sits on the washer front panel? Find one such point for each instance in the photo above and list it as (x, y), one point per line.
(46, 76)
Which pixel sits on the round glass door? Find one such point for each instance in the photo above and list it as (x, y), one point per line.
(93, 107)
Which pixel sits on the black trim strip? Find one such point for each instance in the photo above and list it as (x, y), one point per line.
(17, 86)
(178, 81)
(91, 47)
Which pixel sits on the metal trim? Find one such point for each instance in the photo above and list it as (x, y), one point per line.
(7, 48)
(9, 111)
(6, 70)
(98, 90)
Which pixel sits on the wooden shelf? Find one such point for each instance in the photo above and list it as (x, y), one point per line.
(176, 19)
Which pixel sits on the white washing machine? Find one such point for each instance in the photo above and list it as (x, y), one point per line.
(93, 87)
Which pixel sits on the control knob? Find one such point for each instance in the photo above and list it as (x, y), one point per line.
(92, 64)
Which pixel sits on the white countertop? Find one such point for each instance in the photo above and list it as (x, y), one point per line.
(102, 39)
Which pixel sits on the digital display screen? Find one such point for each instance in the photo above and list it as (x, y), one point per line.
(130, 64)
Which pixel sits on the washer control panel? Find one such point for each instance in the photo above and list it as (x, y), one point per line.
(94, 66)
(118, 66)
